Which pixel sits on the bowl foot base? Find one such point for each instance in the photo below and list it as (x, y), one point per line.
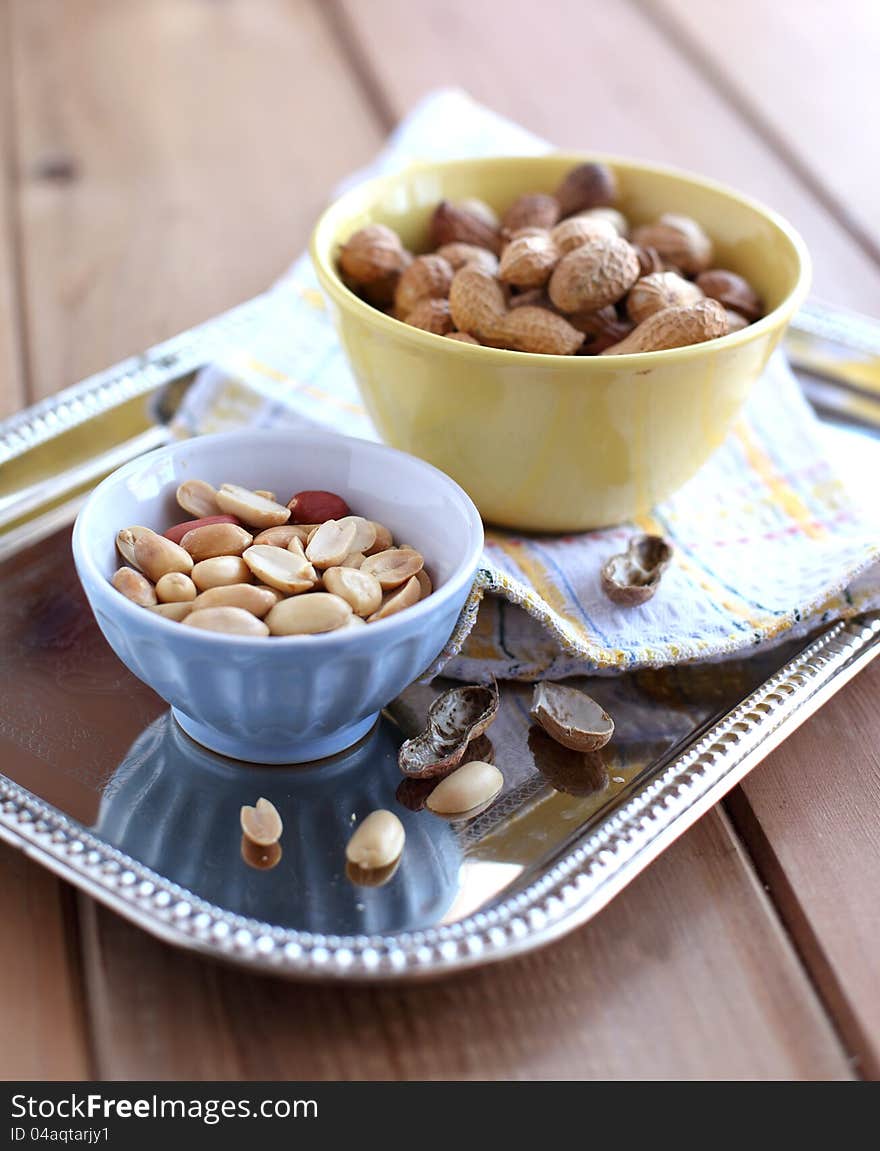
(293, 751)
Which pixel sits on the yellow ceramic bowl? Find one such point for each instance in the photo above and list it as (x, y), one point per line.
(559, 443)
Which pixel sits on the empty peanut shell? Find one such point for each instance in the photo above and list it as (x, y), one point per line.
(632, 578)
(571, 717)
(455, 718)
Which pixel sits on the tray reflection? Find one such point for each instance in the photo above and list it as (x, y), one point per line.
(175, 806)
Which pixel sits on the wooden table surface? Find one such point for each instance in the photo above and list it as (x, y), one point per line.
(163, 160)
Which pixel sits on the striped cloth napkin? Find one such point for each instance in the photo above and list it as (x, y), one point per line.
(768, 541)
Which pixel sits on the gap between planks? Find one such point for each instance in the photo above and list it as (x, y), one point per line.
(794, 922)
(14, 376)
(351, 50)
(686, 27)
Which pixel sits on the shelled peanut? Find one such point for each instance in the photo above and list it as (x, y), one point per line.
(249, 565)
(560, 274)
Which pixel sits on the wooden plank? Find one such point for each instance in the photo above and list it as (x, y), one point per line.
(41, 999)
(174, 154)
(811, 819)
(602, 77)
(686, 975)
(12, 384)
(40, 995)
(805, 74)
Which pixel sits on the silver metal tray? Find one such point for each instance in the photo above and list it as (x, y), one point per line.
(100, 786)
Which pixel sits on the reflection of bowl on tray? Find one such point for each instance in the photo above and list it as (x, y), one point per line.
(559, 443)
(175, 807)
(282, 698)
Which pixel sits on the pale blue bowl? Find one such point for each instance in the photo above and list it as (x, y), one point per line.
(295, 698)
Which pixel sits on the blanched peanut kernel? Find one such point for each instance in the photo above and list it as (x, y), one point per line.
(384, 539)
(261, 824)
(254, 510)
(151, 553)
(473, 785)
(377, 842)
(309, 614)
(362, 591)
(198, 498)
(281, 536)
(136, 587)
(220, 571)
(178, 531)
(425, 584)
(396, 601)
(257, 600)
(286, 569)
(352, 560)
(173, 611)
(332, 542)
(175, 587)
(216, 540)
(273, 591)
(364, 535)
(231, 620)
(394, 566)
